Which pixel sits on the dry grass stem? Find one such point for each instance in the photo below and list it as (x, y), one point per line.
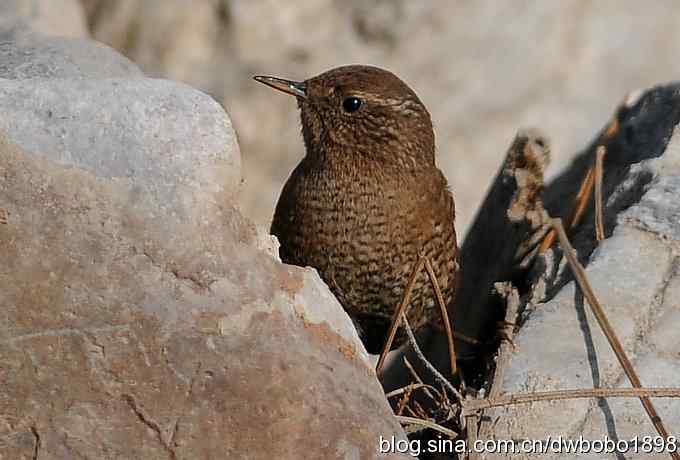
(586, 188)
(509, 400)
(599, 173)
(426, 424)
(605, 325)
(404, 401)
(417, 378)
(582, 198)
(613, 128)
(420, 412)
(397, 315)
(445, 314)
(580, 201)
(441, 399)
(426, 362)
(411, 411)
(402, 390)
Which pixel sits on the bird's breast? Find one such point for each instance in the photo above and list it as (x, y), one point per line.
(353, 220)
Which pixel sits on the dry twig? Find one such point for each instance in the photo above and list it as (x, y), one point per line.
(403, 306)
(599, 214)
(426, 424)
(409, 387)
(417, 378)
(417, 411)
(585, 191)
(411, 411)
(404, 400)
(605, 325)
(445, 314)
(475, 405)
(426, 362)
(580, 201)
(397, 315)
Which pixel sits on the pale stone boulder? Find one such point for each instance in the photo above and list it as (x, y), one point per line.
(141, 315)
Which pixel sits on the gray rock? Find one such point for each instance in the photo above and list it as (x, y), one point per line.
(164, 138)
(635, 275)
(141, 315)
(37, 56)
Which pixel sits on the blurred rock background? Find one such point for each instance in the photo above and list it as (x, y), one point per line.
(484, 68)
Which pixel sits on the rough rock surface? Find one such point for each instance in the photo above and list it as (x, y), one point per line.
(483, 68)
(141, 315)
(37, 56)
(635, 274)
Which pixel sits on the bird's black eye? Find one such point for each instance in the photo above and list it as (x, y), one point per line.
(351, 104)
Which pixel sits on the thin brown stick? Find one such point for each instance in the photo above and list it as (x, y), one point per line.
(419, 410)
(586, 188)
(404, 401)
(582, 198)
(415, 375)
(426, 424)
(444, 398)
(612, 129)
(402, 390)
(599, 173)
(411, 411)
(487, 403)
(581, 201)
(425, 361)
(445, 314)
(605, 325)
(426, 389)
(397, 315)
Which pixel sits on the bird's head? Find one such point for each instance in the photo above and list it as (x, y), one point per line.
(362, 110)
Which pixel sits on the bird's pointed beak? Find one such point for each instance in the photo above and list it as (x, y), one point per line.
(296, 88)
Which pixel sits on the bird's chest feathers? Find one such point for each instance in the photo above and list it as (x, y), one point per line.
(349, 206)
(350, 200)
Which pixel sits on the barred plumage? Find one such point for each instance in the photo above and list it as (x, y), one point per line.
(367, 200)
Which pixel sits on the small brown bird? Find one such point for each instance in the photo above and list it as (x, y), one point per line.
(367, 200)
